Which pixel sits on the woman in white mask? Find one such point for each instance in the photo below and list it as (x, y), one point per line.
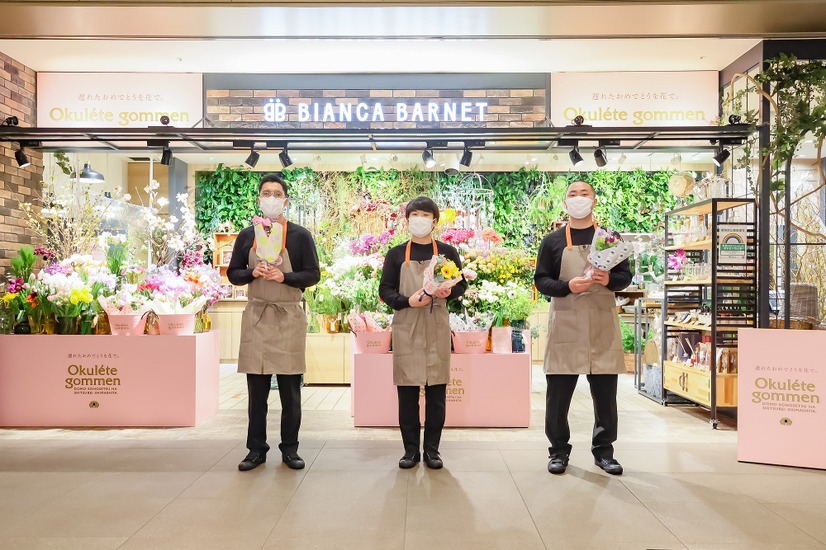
(273, 326)
(421, 332)
(583, 331)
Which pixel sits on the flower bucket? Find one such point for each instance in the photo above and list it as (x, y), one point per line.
(127, 324)
(373, 342)
(500, 340)
(176, 324)
(470, 341)
(66, 325)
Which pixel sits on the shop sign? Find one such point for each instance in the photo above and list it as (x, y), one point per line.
(635, 99)
(118, 100)
(464, 111)
(731, 240)
(781, 383)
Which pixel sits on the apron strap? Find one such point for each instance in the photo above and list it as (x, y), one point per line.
(568, 235)
(264, 304)
(407, 250)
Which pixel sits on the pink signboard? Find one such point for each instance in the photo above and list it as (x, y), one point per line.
(782, 415)
(108, 380)
(485, 390)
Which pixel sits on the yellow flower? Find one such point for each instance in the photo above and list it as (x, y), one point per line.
(9, 297)
(447, 216)
(450, 271)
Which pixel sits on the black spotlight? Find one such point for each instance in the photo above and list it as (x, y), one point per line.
(734, 119)
(10, 121)
(721, 157)
(252, 160)
(21, 158)
(285, 159)
(576, 158)
(578, 120)
(467, 157)
(600, 156)
(166, 156)
(427, 157)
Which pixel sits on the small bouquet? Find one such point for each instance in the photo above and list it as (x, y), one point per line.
(369, 322)
(268, 240)
(127, 301)
(607, 251)
(442, 274)
(470, 323)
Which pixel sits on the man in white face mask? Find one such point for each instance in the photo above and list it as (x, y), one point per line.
(274, 326)
(583, 332)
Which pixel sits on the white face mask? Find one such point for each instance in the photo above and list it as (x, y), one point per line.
(272, 207)
(420, 226)
(579, 207)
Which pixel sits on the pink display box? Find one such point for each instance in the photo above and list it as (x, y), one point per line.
(470, 342)
(485, 390)
(782, 405)
(108, 380)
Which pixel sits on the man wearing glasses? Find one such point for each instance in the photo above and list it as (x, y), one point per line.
(273, 326)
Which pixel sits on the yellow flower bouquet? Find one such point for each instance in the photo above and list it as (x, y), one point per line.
(443, 274)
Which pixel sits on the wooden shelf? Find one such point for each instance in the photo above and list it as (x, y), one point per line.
(695, 384)
(704, 328)
(707, 207)
(697, 245)
(707, 282)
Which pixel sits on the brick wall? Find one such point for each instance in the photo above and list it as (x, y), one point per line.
(17, 185)
(516, 108)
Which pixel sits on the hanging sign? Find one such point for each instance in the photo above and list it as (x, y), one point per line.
(731, 240)
(118, 100)
(635, 99)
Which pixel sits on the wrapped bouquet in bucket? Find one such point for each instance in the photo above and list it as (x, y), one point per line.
(126, 309)
(371, 331)
(607, 251)
(470, 332)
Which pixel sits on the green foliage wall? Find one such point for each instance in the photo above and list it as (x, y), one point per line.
(526, 202)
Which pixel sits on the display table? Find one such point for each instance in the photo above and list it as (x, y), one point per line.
(485, 391)
(108, 380)
(782, 387)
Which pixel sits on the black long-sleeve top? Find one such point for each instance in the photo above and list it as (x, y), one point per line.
(391, 273)
(303, 258)
(549, 262)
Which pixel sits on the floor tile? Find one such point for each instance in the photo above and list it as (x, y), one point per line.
(75, 543)
(321, 485)
(461, 486)
(809, 489)
(810, 517)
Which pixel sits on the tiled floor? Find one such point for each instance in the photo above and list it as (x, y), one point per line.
(180, 488)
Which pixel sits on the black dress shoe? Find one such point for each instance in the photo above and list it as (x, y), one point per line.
(293, 461)
(409, 461)
(253, 460)
(433, 460)
(609, 466)
(557, 464)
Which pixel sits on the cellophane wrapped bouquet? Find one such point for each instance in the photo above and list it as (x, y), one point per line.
(443, 274)
(465, 322)
(369, 322)
(607, 251)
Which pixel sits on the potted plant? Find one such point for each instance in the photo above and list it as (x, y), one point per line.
(517, 306)
(628, 341)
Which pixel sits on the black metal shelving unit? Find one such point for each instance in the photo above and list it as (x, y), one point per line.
(730, 294)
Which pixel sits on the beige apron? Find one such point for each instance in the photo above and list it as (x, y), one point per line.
(583, 329)
(273, 326)
(421, 335)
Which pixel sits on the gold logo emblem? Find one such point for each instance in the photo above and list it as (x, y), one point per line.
(94, 405)
(786, 421)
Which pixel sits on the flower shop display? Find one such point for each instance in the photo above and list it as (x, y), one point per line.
(126, 309)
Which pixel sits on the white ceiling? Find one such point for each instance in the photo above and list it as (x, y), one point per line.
(302, 56)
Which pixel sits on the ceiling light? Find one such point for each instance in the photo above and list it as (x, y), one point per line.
(253, 158)
(576, 158)
(21, 158)
(600, 156)
(622, 159)
(734, 119)
(452, 167)
(427, 157)
(676, 159)
(467, 158)
(166, 156)
(87, 175)
(285, 159)
(10, 121)
(579, 120)
(721, 157)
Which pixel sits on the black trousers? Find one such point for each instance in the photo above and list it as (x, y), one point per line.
(558, 402)
(434, 415)
(289, 389)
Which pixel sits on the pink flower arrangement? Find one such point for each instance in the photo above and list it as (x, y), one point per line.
(677, 260)
(457, 236)
(490, 235)
(370, 244)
